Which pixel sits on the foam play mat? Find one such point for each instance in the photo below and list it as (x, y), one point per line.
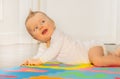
(60, 71)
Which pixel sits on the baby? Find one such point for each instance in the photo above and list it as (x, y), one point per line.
(57, 46)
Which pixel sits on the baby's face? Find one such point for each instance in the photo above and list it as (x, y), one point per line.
(40, 27)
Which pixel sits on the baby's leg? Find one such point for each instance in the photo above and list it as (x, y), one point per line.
(117, 52)
(97, 57)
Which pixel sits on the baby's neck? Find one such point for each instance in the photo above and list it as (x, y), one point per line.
(48, 43)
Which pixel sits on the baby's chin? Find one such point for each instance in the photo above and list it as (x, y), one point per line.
(44, 40)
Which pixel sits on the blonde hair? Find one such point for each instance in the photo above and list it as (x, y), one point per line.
(32, 13)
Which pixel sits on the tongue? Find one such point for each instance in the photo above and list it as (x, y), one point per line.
(44, 31)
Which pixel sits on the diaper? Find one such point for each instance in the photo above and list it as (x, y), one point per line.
(93, 43)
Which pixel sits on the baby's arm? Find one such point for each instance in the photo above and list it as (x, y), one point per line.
(52, 51)
(47, 55)
(35, 59)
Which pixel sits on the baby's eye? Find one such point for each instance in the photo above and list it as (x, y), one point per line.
(43, 21)
(36, 27)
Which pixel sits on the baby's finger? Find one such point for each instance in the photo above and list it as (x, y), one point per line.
(25, 63)
(31, 63)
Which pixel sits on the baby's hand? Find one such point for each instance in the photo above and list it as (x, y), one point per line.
(32, 62)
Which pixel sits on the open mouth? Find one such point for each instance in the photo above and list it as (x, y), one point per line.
(44, 31)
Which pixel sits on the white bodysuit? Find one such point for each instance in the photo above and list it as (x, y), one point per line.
(66, 50)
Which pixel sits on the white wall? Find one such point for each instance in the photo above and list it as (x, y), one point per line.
(24, 7)
(12, 23)
(118, 22)
(85, 19)
(9, 20)
(13, 31)
(82, 19)
(1, 10)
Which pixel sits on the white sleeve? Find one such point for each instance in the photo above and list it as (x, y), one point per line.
(42, 48)
(53, 50)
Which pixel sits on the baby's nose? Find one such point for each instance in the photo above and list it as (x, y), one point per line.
(40, 27)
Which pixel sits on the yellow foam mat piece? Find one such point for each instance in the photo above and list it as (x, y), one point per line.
(57, 65)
